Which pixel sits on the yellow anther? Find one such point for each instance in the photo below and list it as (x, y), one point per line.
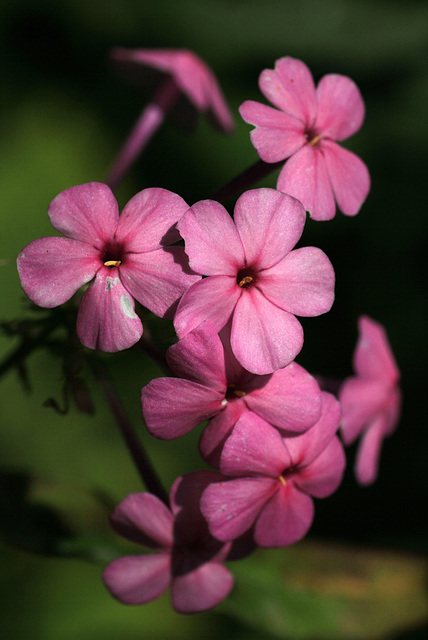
(245, 281)
(239, 393)
(113, 263)
(282, 480)
(315, 140)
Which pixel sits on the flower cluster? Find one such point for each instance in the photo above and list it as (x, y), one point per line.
(233, 292)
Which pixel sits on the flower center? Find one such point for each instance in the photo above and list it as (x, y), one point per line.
(313, 137)
(245, 278)
(233, 392)
(112, 255)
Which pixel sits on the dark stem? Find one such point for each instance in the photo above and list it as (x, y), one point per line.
(245, 180)
(139, 456)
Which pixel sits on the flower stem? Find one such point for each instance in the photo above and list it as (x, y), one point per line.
(138, 454)
(245, 180)
(146, 126)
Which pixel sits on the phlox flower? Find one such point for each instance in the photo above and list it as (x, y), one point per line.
(305, 127)
(370, 400)
(126, 257)
(187, 558)
(254, 277)
(273, 479)
(212, 384)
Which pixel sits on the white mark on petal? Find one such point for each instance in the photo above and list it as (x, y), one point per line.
(224, 402)
(126, 304)
(111, 282)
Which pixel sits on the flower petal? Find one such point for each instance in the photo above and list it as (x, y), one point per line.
(199, 356)
(290, 400)
(285, 519)
(302, 283)
(373, 355)
(269, 224)
(340, 107)
(218, 430)
(138, 579)
(232, 506)
(305, 177)
(349, 177)
(148, 220)
(144, 519)
(254, 448)
(106, 319)
(264, 338)
(361, 400)
(201, 589)
(323, 476)
(368, 455)
(277, 135)
(212, 299)
(158, 279)
(53, 269)
(88, 212)
(291, 88)
(172, 407)
(211, 240)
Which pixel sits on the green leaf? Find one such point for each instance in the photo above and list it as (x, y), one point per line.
(321, 591)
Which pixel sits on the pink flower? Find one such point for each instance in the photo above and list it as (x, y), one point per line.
(370, 400)
(274, 479)
(305, 127)
(253, 276)
(212, 384)
(126, 257)
(187, 559)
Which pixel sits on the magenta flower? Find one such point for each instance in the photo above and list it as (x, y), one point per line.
(187, 558)
(274, 479)
(253, 276)
(370, 400)
(127, 257)
(212, 384)
(184, 83)
(305, 127)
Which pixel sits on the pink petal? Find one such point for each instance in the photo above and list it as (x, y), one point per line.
(264, 337)
(290, 400)
(144, 519)
(53, 269)
(232, 506)
(212, 299)
(305, 177)
(218, 430)
(340, 107)
(172, 407)
(211, 240)
(373, 355)
(106, 319)
(302, 283)
(285, 519)
(323, 476)
(269, 224)
(138, 579)
(368, 455)
(158, 279)
(201, 589)
(361, 400)
(277, 135)
(254, 448)
(199, 356)
(305, 448)
(291, 88)
(349, 177)
(218, 108)
(148, 220)
(87, 212)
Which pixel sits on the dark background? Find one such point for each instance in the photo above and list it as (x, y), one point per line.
(64, 114)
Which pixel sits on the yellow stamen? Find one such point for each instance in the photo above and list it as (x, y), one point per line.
(281, 479)
(315, 140)
(245, 281)
(113, 263)
(239, 393)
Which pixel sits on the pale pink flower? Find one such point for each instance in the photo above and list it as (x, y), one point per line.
(305, 127)
(126, 257)
(254, 277)
(370, 400)
(273, 479)
(212, 384)
(187, 558)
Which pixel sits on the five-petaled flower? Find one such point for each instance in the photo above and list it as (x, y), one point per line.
(370, 400)
(254, 277)
(305, 127)
(187, 558)
(126, 256)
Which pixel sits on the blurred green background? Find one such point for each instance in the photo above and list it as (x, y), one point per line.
(63, 117)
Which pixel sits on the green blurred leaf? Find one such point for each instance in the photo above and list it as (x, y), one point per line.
(322, 591)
